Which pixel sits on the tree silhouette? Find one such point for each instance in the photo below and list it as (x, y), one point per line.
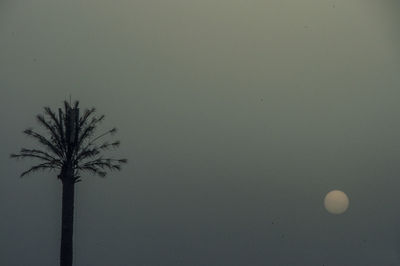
(70, 147)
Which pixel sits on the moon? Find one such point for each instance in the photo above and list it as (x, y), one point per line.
(336, 202)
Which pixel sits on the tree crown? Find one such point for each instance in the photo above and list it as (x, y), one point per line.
(72, 143)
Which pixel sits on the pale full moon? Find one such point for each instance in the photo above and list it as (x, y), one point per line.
(336, 202)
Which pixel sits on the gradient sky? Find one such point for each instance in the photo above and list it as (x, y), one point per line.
(237, 117)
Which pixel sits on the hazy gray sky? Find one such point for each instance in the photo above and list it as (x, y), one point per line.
(237, 117)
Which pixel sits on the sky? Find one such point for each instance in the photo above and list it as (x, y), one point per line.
(237, 117)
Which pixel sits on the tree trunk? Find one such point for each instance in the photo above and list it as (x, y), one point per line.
(67, 227)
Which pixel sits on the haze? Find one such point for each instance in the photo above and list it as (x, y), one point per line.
(237, 117)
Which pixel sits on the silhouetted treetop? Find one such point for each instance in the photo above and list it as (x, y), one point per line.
(72, 140)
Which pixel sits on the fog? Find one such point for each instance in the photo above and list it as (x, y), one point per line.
(237, 117)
